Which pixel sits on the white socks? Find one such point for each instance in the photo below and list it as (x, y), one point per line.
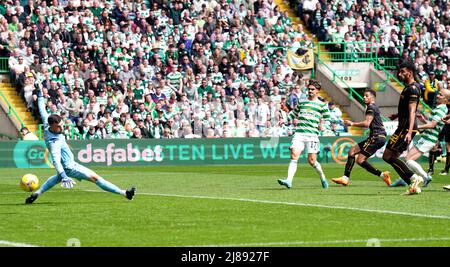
(319, 170)
(291, 170)
(416, 168)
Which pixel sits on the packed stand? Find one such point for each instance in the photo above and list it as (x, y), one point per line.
(417, 30)
(142, 69)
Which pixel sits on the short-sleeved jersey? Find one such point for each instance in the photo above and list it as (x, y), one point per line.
(376, 126)
(437, 114)
(308, 112)
(411, 93)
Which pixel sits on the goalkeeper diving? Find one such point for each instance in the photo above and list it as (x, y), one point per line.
(63, 159)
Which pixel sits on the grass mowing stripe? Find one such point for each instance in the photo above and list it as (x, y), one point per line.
(290, 243)
(14, 244)
(294, 204)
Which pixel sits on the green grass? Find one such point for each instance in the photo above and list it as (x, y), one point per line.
(225, 206)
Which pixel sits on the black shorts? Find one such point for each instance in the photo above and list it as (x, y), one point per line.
(397, 141)
(444, 134)
(369, 146)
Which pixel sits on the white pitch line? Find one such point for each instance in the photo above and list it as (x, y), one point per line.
(15, 244)
(291, 243)
(296, 204)
(282, 203)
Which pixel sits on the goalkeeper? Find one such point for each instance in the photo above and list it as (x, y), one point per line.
(63, 159)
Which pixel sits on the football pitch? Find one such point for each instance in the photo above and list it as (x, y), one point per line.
(225, 206)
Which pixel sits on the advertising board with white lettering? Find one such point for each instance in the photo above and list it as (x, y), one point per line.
(146, 152)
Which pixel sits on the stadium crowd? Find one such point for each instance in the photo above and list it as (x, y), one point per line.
(409, 29)
(157, 69)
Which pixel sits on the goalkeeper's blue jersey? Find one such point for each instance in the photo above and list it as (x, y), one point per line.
(62, 156)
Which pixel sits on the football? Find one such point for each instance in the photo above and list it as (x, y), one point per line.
(29, 182)
(440, 159)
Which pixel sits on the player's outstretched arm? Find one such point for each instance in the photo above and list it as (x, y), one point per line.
(439, 115)
(429, 125)
(364, 124)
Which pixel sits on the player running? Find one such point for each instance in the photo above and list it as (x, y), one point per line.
(309, 113)
(407, 128)
(63, 159)
(368, 147)
(429, 137)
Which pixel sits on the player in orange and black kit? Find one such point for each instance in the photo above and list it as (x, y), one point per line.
(407, 128)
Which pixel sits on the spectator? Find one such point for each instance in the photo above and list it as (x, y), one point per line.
(136, 133)
(74, 106)
(187, 133)
(27, 135)
(91, 134)
(295, 96)
(262, 117)
(115, 134)
(101, 132)
(337, 123)
(106, 63)
(158, 95)
(167, 134)
(431, 87)
(156, 130)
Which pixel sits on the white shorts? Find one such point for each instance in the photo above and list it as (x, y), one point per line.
(424, 146)
(311, 143)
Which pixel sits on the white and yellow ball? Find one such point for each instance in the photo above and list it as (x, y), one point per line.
(29, 182)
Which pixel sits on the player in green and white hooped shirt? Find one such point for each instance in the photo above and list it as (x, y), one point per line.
(308, 112)
(429, 137)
